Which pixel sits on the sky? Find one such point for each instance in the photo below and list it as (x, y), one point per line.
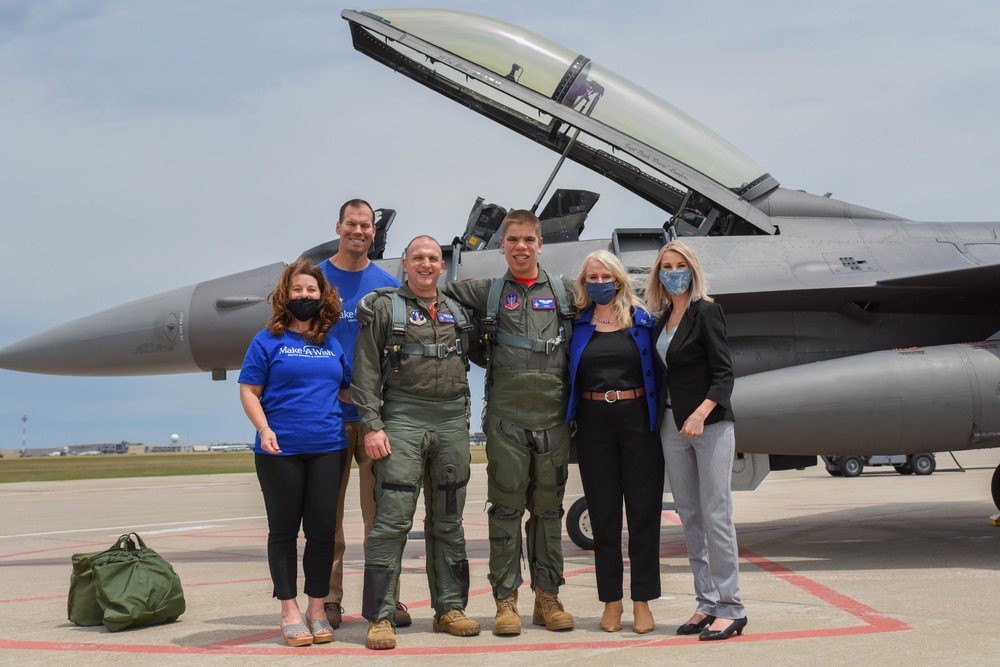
(146, 146)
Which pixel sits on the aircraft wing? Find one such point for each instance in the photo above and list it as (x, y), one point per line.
(973, 278)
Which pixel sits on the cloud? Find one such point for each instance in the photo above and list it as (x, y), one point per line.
(150, 145)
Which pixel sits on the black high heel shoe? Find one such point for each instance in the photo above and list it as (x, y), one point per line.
(695, 628)
(736, 627)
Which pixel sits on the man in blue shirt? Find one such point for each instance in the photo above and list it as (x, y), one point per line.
(354, 276)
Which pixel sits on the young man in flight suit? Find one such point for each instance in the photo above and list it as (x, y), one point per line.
(411, 391)
(527, 439)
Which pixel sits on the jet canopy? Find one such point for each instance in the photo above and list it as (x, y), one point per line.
(563, 100)
(577, 82)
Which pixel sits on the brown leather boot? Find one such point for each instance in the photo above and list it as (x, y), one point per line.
(380, 635)
(455, 622)
(550, 613)
(507, 622)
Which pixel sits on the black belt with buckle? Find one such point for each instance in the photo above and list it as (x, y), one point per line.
(613, 395)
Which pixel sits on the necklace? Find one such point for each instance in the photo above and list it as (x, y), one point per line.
(595, 317)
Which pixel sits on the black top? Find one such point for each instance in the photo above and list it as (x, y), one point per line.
(610, 361)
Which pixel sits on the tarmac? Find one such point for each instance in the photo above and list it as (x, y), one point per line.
(882, 569)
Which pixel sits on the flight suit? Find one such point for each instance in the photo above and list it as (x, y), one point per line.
(527, 439)
(423, 409)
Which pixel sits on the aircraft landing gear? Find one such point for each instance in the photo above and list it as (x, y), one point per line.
(578, 525)
(996, 487)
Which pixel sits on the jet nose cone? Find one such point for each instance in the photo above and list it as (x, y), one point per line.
(127, 340)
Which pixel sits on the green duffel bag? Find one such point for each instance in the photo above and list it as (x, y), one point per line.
(132, 585)
(81, 604)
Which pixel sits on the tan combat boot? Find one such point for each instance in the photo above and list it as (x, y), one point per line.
(380, 635)
(507, 622)
(455, 622)
(550, 613)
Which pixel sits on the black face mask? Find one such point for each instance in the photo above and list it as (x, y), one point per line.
(303, 309)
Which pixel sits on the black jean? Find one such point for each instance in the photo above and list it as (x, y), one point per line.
(301, 490)
(622, 461)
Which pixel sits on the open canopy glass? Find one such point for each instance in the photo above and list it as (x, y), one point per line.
(561, 74)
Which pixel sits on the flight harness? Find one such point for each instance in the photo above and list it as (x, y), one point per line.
(492, 336)
(397, 346)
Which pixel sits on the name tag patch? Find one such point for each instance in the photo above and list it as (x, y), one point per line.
(446, 318)
(543, 304)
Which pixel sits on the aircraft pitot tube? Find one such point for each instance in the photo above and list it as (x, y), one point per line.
(943, 398)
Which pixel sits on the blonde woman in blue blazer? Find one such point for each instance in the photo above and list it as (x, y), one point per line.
(698, 436)
(615, 387)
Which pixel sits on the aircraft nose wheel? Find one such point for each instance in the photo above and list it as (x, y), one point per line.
(578, 524)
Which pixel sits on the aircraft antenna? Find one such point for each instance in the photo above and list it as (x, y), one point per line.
(24, 433)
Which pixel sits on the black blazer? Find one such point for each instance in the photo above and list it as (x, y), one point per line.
(699, 364)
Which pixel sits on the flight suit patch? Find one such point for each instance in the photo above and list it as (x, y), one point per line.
(446, 318)
(417, 317)
(543, 304)
(511, 301)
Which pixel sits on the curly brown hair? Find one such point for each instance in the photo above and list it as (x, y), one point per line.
(329, 309)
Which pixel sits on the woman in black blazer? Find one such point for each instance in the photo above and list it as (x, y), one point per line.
(696, 430)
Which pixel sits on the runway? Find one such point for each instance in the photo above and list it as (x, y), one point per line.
(885, 568)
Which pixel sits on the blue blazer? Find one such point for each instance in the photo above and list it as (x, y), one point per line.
(643, 333)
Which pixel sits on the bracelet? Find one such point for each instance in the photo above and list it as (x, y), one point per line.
(261, 430)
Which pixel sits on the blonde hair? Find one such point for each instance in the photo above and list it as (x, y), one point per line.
(657, 301)
(625, 299)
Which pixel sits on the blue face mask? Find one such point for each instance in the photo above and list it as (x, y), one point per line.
(602, 293)
(676, 282)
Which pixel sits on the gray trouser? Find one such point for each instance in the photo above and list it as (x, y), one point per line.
(700, 471)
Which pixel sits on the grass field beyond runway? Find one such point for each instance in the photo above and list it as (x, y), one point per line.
(52, 468)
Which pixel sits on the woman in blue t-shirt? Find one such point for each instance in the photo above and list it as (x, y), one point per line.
(294, 376)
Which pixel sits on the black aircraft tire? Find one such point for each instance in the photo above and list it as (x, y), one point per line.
(996, 487)
(578, 525)
(904, 469)
(835, 473)
(851, 466)
(922, 464)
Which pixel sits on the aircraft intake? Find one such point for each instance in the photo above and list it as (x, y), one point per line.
(934, 399)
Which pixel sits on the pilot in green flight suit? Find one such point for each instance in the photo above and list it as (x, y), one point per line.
(411, 391)
(527, 314)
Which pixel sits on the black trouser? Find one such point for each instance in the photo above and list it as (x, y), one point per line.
(620, 459)
(301, 489)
